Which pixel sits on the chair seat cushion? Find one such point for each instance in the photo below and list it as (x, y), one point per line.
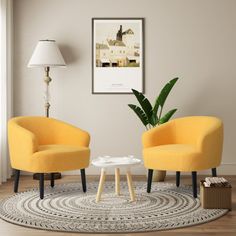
(54, 158)
(175, 157)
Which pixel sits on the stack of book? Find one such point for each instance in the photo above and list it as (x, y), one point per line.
(216, 182)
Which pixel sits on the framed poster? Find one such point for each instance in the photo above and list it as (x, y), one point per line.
(117, 55)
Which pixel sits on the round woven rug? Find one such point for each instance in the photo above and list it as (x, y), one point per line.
(67, 208)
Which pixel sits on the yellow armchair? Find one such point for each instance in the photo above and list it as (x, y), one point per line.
(46, 145)
(184, 144)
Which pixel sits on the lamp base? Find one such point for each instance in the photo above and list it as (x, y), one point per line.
(47, 176)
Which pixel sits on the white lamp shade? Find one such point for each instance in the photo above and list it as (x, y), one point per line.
(46, 54)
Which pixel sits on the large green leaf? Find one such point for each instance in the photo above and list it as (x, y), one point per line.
(160, 101)
(140, 113)
(167, 116)
(144, 102)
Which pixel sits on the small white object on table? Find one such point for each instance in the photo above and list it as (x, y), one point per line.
(117, 163)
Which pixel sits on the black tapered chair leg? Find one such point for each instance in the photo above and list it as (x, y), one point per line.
(213, 171)
(177, 178)
(194, 183)
(52, 179)
(149, 182)
(83, 179)
(41, 185)
(16, 181)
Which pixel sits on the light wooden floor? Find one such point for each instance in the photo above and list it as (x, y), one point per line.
(223, 226)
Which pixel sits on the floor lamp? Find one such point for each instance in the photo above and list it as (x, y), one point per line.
(46, 55)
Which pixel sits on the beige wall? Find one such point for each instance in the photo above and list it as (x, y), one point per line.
(194, 40)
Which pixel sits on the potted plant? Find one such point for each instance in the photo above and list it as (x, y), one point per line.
(152, 116)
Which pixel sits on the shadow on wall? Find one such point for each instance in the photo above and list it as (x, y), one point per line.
(69, 54)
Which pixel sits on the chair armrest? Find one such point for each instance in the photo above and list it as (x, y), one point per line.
(70, 135)
(211, 141)
(160, 135)
(22, 143)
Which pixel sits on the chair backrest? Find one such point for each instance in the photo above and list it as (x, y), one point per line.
(44, 128)
(189, 129)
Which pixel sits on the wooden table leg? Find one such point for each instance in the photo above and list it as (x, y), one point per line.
(117, 178)
(101, 184)
(130, 184)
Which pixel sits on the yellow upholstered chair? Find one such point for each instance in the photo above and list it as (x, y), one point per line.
(184, 144)
(45, 145)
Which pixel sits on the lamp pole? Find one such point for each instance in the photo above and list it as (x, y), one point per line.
(47, 80)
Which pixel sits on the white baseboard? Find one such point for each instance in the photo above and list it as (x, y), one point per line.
(227, 169)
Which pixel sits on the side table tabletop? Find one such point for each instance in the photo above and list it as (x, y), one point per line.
(116, 163)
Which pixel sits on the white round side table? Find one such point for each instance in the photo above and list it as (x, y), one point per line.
(116, 163)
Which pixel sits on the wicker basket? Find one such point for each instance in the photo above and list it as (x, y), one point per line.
(215, 197)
